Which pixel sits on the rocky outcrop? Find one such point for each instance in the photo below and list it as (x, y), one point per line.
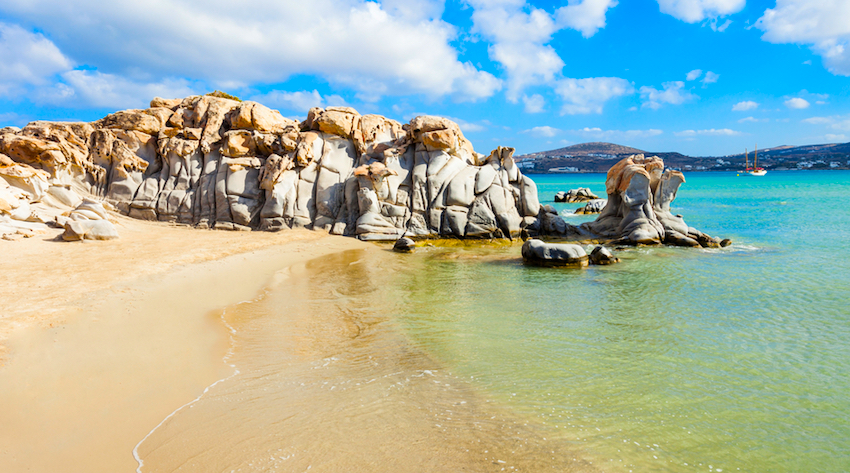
(640, 192)
(582, 194)
(213, 162)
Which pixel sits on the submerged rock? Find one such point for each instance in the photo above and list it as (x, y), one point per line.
(540, 253)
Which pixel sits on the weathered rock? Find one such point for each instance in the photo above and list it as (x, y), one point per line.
(540, 253)
(595, 206)
(218, 163)
(582, 194)
(404, 245)
(602, 256)
(89, 221)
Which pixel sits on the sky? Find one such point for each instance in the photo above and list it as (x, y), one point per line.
(701, 77)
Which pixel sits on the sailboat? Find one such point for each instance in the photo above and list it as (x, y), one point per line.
(755, 170)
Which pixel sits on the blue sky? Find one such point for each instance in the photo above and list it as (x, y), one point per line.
(702, 77)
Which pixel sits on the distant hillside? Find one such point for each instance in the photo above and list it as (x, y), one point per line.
(598, 157)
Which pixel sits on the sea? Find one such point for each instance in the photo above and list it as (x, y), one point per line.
(459, 357)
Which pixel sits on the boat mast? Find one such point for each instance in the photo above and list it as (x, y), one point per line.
(756, 159)
(746, 159)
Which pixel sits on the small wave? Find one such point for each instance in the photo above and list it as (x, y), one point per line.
(226, 360)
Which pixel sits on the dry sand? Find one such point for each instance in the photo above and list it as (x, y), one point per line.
(99, 341)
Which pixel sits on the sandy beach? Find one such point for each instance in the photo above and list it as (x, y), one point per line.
(102, 340)
(194, 350)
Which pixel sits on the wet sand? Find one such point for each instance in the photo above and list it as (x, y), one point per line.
(102, 340)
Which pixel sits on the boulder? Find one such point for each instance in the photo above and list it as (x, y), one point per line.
(404, 245)
(582, 194)
(540, 253)
(595, 206)
(602, 256)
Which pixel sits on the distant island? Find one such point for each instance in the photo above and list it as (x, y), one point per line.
(598, 157)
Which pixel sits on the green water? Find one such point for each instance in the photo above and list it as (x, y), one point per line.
(676, 359)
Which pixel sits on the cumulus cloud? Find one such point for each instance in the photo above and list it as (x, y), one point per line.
(710, 132)
(587, 16)
(534, 103)
(265, 41)
(673, 93)
(589, 95)
(27, 59)
(821, 24)
(600, 134)
(299, 101)
(519, 34)
(694, 75)
(80, 88)
(543, 131)
(710, 78)
(836, 138)
(693, 11)
(797, 103)
(744, 106)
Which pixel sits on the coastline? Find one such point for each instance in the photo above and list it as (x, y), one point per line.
(108, 338)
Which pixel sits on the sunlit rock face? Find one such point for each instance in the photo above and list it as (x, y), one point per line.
(640, 192)
(218, 163)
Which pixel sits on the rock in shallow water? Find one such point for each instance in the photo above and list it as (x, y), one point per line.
(540, 253)
(404, 245)
(602, 256)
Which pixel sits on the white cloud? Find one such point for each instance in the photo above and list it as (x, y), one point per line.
(27, 59)
(465, 126)
(80, 88)
(722, 27)
(744, 106)
(299, 101)
(543, 131)
(835, 122)
(589, 95)
(600, 134)
(694, 74)
(534, 104)
(752, 120)
(519, 34)
(821, 24)
(836, 138)
(587, 16)
(673, 93)
(710, 78)
(693, 11)
(797, 103)
(264, 41)
(711, 132)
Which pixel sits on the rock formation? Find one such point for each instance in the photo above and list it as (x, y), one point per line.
(594, 206)
(582, 194)
(213, 162)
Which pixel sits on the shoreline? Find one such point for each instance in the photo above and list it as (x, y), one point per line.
(94, 361)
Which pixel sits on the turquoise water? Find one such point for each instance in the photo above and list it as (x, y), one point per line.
(676, 359)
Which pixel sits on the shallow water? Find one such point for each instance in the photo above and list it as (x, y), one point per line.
(463, 358)
(675, 359)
